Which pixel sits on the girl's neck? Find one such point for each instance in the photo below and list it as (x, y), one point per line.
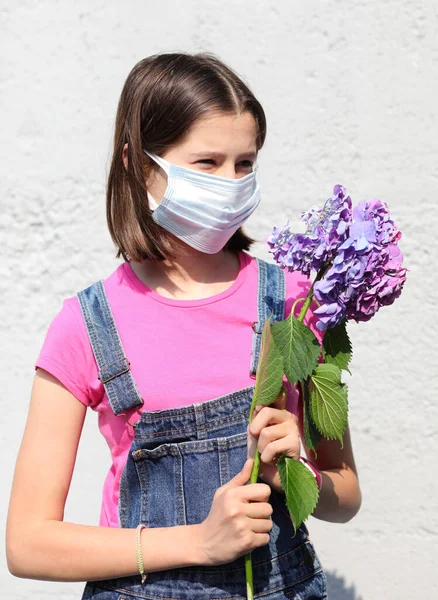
(192, 275)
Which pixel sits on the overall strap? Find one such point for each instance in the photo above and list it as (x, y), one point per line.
(270, 301)
(113, 366)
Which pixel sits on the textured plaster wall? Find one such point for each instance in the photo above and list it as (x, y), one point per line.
(350, 93)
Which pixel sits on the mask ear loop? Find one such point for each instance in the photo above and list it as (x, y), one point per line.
(153, 204)
(164, 164)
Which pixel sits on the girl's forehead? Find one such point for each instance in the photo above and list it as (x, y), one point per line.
(223, 129)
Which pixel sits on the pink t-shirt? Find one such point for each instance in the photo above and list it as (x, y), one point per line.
(181, 352)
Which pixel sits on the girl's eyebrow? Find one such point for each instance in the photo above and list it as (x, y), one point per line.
(215, 154)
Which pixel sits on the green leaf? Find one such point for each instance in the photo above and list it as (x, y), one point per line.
(300, 488)
(336, 346)
(312, 436)
(269, 377)
(299, 346)
(328, 401)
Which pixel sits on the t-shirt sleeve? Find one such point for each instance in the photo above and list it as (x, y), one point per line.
(66, 352)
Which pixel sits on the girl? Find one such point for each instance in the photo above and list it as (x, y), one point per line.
(165, 349)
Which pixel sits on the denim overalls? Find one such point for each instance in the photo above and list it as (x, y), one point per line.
(178, 459)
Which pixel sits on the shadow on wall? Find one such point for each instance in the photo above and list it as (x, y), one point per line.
(337, 590)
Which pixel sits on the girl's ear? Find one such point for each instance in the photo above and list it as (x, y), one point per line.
(125, 156)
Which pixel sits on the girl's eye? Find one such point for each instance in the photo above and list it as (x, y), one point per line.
(247, 164)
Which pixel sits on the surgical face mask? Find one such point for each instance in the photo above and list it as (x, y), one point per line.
(201, 209)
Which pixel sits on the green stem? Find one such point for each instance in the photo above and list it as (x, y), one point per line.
(295, 303)
(256, 466)
(248, 563)
(309, 297)
(249, 579)
(253, 479)
(305, 306)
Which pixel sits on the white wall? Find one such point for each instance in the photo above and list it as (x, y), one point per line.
(350, 93)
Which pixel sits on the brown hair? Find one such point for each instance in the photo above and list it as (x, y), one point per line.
(162, 97)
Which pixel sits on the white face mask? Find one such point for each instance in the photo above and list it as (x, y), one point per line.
(201, 209)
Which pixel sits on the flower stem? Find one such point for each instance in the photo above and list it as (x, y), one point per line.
(256, 466)
(248, 563)
(249, 579)
(309, 297)
(253, 479)
(305, 306)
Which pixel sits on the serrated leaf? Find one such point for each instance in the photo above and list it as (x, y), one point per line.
(300, 488)
(299, 347)
(312, 436)
(336, 346)
(328, 401)
(269, 378)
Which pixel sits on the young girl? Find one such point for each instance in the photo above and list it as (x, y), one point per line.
(165, 349)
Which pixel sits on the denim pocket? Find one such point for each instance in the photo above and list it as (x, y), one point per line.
(178, 481)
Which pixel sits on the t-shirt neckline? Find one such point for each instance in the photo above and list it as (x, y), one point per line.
(244, 260)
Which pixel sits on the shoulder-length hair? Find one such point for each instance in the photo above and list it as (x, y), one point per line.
(162, 97)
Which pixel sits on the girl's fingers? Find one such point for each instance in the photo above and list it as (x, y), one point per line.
(261, 525)
(258, 510)
(289, 445)
(268, 416)
(275, 432)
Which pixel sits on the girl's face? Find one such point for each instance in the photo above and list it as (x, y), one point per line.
(222, 144)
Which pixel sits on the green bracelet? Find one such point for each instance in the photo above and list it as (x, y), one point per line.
(139, 553)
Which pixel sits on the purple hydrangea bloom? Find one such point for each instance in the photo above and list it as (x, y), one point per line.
(359, 249)
(326, 230)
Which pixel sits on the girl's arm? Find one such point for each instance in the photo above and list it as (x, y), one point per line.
(276, 429)
(39, 544)
(340, 496)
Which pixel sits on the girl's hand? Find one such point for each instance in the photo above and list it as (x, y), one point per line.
(238, 522)
(276, 432)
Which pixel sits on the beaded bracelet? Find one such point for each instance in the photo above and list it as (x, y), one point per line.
(139, 553)
(316, 472)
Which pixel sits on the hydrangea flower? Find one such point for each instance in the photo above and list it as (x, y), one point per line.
(326, 229)
(358, 250)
